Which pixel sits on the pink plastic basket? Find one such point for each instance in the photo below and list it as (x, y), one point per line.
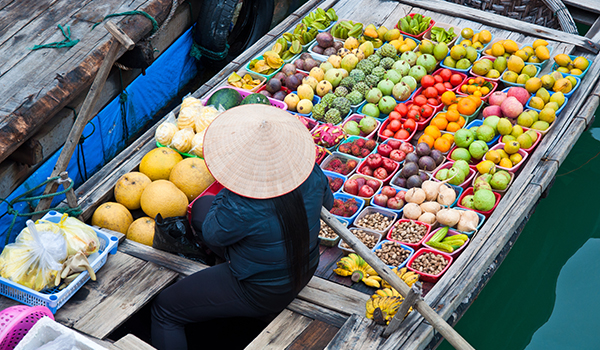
(16, 321)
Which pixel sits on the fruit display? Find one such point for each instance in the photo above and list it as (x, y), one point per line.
(442, 35)
(415, 24)
(537, 52)
(381, 309)
(478, 87)
(480, 198)
(266, 64)
(246, 82)
(326, 45)
(335, 183)
(302, 34)
(362, 186)
(424, 204)
(430, 54)
(499, 180)
(460, 58)
(489, 67)
(389, 198)
(429, 263)
(344, 208)
(456, 173)
(507, 156)
(358, 270)
(320, 19)
(328, 135)
(360, 125)
(391, 253)
(573, 65)
(359, 147)
(379, 167)
(339, 164)
(374, 220)
(287, 50)
(345, 29)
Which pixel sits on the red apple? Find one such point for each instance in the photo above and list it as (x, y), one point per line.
(389, 191)
(380, 173)
(394, 203)
(381, 200)
(397, 155)
(366, 171)
(374, 161)
(384, 149)
(351, 186)
(373, 184)
(389, 165)
(406, 147)
(400, 195)
(395, 144)
(366, 191)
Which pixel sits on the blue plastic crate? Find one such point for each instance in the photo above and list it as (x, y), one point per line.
(344, 197)
(405, 247)
(478, 123)
(580, 76)
(539, 110)
(316, 99)
(54, 298)
(335, 175)
(398, 212)
(509, 84)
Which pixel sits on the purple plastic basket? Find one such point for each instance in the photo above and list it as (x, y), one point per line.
(16, 321)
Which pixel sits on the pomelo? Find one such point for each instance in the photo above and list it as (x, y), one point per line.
(158, 163)
(191, 176)
(129, 188)
(142, 231)
(162, 196)
(112, 216)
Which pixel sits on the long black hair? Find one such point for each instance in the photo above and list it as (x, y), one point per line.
(293, 221)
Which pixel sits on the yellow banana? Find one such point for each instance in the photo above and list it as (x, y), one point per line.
(412, 280)
(371, 282)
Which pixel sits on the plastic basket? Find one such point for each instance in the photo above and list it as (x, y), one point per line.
(425, 276)
(514, 169)
(421, 125)
(254, 75)
(460, 39)
(393, 181)
(397, 211)
(491, 58)
(468, 192)
(351, 139)
(244, 93)
(420, 35)
(344, 197)
(268, 76)
(357, 118)
(466, 70)
(544, 62)
(478, 123)
(372, 210)
(316, 57)
(344, 158)
(450, 233)
(54, 298)
(483, 98)
(512, 178)
(560, 109)
(481, 221)
(363, 164)
(445, 26)
(414, 245)
(384, 138)
(580, 76)
(472, 163)
(332, 242)
(463, 75)
(16, 321)
(377, 236)
(410, 250)
(464, 184)
(333, 175)
(316, 99)
(508, 83)
(357, 176)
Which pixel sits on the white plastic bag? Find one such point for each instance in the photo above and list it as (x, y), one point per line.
(189, 112)
(35, 259)
(65, 341)
(79, 236)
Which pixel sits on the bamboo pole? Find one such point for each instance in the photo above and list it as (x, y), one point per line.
(386, 273)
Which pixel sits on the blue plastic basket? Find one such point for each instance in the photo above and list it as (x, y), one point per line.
(539, 110)
(337, 176)
(405, 247)
(399, 212)
(344, 197)
(316, 99)
(465, 71)
(507, 83)
(580, 76)
(478, 123)
(54, 298)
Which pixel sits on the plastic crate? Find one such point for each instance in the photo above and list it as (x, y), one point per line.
(426, 276)
(345, 197)
(514, 169)
(347, 251)
(386, 181)
(332, 242)
(468, 192)
(491, 58)
(560, 109)
(410, 250)
(502, 192)
(394, 179)
(483, 98)
(384, 138)
(351, 139)
(472, 163)
(16, 322)
(372, 210)
(580, 76)
(344, 158)
(420, 35)
(466, 70)
(463, 75)
(507, 83)
(254, 75)
(54, 298)
(331, 174)
(414, 245)
(316, 99)
(268, 76)
(460, 39)
(446, 27)
(366, 177)
(450, 233)
(357, 118)
(397, 211)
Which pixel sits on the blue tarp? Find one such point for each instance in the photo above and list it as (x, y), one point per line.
(105, 136)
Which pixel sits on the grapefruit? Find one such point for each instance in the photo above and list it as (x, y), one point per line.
(112, 216)
(142, 231)
(162, 196)
(158, 163)
(129, 188)
(191, 176)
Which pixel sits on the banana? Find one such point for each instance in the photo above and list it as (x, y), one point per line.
(371, 282)
(412, 280)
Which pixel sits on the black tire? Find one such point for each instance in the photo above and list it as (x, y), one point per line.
(214, 20)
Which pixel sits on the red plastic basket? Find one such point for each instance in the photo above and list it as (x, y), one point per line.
(16, 321)
(384, 126)
(469, 191)
(418, 36)
(212, 190)
(426, 276)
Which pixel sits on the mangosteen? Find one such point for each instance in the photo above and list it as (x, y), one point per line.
(318, 49)
(437, 156)
(305, 56)
(279, 95)
(329, 51)
(281, 76)
(265, 93)
(299, 63)
(409, 169)
(288, 69)
(338, 45)
(427, 163)
(423, 175)
(413, 181)
(273, 85)
(400, 181)
(423, 149)
(292, 82)
(325, 39)
(411, 158)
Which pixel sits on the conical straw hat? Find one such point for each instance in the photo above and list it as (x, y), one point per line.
(259, 151)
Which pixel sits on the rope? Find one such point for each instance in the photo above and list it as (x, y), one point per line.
(22, 198)
(130, 13)
(68, 42)
(581, 166)
(123, 104)
(197, 51)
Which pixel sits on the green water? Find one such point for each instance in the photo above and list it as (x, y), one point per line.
(545, 293)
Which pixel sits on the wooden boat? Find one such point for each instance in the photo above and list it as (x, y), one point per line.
(329, 312)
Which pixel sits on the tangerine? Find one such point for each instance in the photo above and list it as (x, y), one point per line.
(466, 106)
(448, 98)
(427, 139)
(433, 131)
(448, 137)
(452, 115)
(440, 122)
(461, 121)
(442, 145)
(452, 127)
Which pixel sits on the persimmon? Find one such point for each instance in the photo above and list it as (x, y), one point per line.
(461, 121)
(466, 106)
(439, 122)
(452, 115)
(452, 127)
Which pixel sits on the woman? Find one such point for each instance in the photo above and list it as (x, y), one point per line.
(264, 223)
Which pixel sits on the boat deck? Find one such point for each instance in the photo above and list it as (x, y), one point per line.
(329, 312)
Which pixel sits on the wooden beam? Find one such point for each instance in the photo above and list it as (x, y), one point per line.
(505, 23)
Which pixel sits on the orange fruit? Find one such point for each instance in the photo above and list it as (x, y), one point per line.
(448, 137)
(461, 121)
(433, 131)
(448, 98)
(453, 107)
(466, 106)
(440, 122)
(475, 100)
(452, 127)
(479, 81)
(464, 89)
(485, 90)
(452, 116)
(477, 93)
(442, 145)
(472, 89)
(427, 139)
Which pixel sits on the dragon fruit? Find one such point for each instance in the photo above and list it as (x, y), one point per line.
(328, 135)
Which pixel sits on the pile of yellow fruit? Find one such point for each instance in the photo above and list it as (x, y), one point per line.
(566, 65)
(506, 157)
(475, 40)
(538, 52)
(403, 45)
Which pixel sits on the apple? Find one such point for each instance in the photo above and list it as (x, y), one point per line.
(366, 191)
(351, 186)
(395, 144)
(380, 200)
(400, 195)
(397, 155)
(389, 165)
(389, 191)
(380, 173)
(361, 181)
(395, 203)
(373, 184)
(384, 149)
(406, 147)
(374, 161)
(464, 137)
(367, 171)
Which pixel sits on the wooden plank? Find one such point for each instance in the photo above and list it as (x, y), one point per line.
(504, 22)
(564, 144)
(11, 176)
(588, 5)
(125, 301)
(357, 333)
(545, 174)
(315, 336)
(131, 342)
(280, 332)
(334, 296)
